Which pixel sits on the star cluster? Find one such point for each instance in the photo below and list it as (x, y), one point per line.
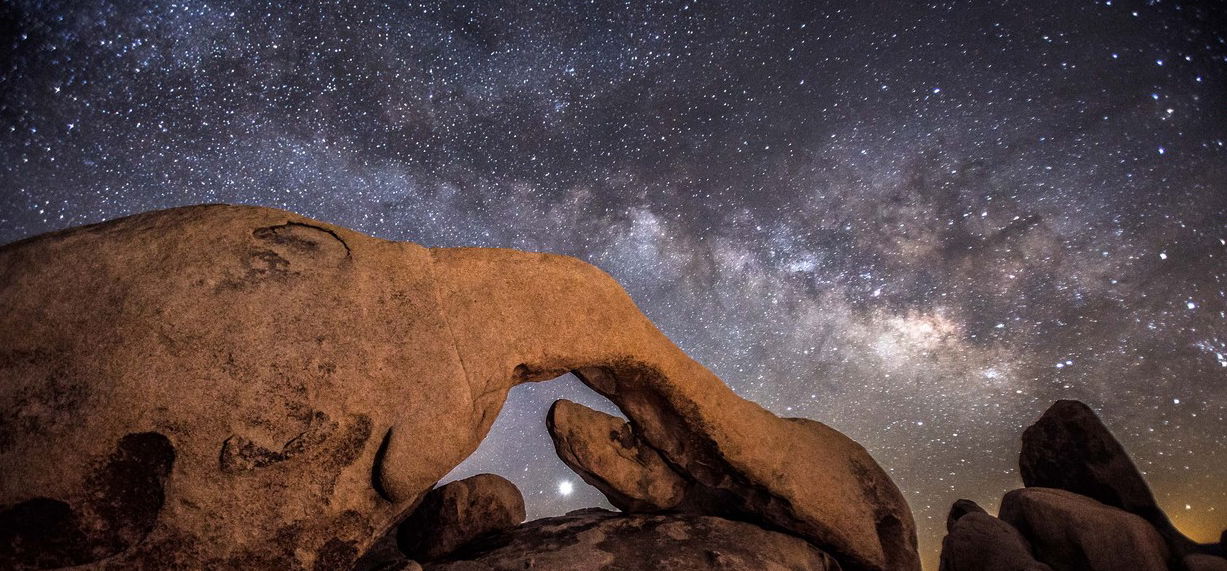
(920, 223)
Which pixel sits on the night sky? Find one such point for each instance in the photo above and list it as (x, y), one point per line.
(919, 223)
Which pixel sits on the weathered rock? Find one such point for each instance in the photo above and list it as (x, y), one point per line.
(610, 455)
(604, 451)
(595, 541)
(795, 474)
(314, 382)
(457, 512)
(959, 509)
(1069, 448)
(980, 542)
(1072, 532)
(120, 501)
(824, 486)
(1204, 562)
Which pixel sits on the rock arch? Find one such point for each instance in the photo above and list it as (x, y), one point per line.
(300, 353)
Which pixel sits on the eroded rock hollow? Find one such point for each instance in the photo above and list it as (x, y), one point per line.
(226, 386)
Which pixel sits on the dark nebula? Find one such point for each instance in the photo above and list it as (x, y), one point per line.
(920, 223)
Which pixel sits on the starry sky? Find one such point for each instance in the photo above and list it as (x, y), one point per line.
(919, 223)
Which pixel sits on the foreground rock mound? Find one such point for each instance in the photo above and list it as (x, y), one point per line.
(458, 512)
(598, 540)
(311, 383)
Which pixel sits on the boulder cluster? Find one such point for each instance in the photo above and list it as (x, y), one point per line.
(1085, 507)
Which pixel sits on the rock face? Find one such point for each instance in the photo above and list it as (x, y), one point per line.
(604, 451)
(980, 542)
(456, 513)
(594, 541)
(280, 391)
(1069, 448)
(1073, 532)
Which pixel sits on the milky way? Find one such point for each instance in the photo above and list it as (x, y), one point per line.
(918, 223)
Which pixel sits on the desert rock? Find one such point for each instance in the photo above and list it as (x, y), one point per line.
(607, 454)
(1069, 448)
(455, 513)
(1073, 532)
(1204, 562)
(980, 542)
(959, 509)
(594, 541)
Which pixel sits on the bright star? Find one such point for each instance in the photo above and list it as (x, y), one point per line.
(565, 488)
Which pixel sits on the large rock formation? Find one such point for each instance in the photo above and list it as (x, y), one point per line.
(1071, 532)
(273, 391)
(458, 512)
(1069, 448)
(596, 540)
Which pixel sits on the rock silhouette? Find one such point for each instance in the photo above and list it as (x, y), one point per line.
(310, 384)
(1073, 532)
(1204, 562)
(1100, 515)
(980, 542)
(1069, 448)
(960, 509)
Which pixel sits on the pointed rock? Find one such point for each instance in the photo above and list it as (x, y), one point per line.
(1070, 532)
(1070, 449)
